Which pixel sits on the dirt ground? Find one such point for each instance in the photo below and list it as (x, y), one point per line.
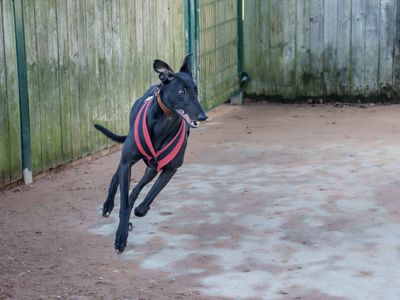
(273, 202)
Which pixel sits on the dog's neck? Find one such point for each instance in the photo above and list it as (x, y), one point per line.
(160, 124)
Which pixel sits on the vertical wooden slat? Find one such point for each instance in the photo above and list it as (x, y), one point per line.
(289, 48)
(386, 47)
(109, 84)
(330, 47)
(315, 87)
(136, 58)
(102, 113)
(358, 47)
(263, 53)
(396, 62)
(4, 134)
(124, 85)
(64, 80)
(46, 34)
(73, 56)
(33, 85)
(93, 78)
(117, 63)
(371, 47)
(11, 84)
(343, 48)
(276, 44)
(303, 75)
(249, 41)
(83, 78)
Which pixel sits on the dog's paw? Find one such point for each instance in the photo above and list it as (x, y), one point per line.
(121, 239)
(107, 208)
(141, 211)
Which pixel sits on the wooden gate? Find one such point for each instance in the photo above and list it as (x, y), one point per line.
(217, 50)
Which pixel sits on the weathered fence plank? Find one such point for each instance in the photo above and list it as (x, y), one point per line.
(302, 46)
(358, 47)
(64, 77)
(276, 45)
(289, 48)
(316, 47)
(330, 46)
(33, 85)
(4, 135)
(387, 27)
(371, 47)
(74, 77)
(10, 138)
(343, 87)
(263, 70)
(14, 126)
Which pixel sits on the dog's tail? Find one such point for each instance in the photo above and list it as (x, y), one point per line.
(109, 134)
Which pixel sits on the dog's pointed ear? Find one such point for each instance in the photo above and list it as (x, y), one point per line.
(185, 68)
(164, 70)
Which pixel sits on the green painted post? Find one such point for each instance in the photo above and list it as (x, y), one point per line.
(196, 46)
(23, 92)
(186, 6)
(191, 32)
(240, 36)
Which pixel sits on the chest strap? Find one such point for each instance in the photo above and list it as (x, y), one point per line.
(156, 159)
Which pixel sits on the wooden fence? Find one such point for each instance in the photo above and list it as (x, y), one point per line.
(322, 48)
(86, 62)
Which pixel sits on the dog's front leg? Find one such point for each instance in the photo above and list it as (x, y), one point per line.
(148, 176)
(121, 236)
(160, 183)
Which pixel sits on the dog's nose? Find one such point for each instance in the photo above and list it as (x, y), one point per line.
(202, 117)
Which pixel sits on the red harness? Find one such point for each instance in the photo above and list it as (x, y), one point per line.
(162, 157)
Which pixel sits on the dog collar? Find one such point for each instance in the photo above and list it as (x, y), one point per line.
(162, 106)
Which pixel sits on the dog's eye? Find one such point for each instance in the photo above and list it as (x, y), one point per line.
(182, 92)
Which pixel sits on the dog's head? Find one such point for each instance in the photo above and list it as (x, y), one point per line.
(179, 92)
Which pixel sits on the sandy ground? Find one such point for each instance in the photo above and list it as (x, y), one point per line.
(273, 202)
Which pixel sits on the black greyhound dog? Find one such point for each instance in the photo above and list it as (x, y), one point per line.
(159, 127)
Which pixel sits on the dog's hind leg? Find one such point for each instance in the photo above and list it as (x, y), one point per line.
(109, 203)
(160, 183)
(148, 176)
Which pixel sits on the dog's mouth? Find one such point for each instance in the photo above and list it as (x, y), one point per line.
(189, 121)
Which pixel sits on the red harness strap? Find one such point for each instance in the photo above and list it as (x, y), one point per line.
(162, 157)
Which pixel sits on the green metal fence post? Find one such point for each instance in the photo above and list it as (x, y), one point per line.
(23, 92)
(240, 35)
(196, 44)
(191, 32)
(186, 6)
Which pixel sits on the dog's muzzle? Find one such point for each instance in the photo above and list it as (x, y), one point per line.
(192, 123)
